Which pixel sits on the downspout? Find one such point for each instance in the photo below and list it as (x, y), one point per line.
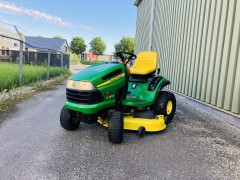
(152, 24)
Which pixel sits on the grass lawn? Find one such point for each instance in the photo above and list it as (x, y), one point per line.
(31, 74)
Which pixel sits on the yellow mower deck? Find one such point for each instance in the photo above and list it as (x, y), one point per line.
(150, 125)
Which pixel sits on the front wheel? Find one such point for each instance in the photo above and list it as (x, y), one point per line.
(68, 119)
(115, 127)
(165, 104)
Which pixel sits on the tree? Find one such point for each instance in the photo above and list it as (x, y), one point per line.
(77, 45)
(57, 37)
(97, 46)
(126, 44)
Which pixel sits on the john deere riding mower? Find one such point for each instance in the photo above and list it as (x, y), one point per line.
(119, 98)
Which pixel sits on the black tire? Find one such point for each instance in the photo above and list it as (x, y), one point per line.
(160, 105)
(141, 131)
(68, 119)
(115, 127)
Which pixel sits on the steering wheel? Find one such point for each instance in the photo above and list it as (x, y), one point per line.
(123, 59)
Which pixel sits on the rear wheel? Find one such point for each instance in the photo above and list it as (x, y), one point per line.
(68, 119)
(165, 104)
(115, 127)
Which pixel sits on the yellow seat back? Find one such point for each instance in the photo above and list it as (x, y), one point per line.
(145, 63)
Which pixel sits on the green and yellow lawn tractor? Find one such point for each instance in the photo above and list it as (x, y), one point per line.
(119, 98)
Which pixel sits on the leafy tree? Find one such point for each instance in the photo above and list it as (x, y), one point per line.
(77, 45)
(57, 37)
(126, 44)
(97, 46)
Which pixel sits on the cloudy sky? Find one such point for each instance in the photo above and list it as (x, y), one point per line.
(109, 19)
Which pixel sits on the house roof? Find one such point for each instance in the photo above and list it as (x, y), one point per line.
(44, 43)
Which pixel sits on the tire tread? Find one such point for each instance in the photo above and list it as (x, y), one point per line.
(66, 120)
(115, 127)
(160, 104)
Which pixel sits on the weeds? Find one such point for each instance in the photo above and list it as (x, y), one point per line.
(8, 104)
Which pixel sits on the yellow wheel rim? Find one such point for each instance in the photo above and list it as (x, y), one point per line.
(169, 107)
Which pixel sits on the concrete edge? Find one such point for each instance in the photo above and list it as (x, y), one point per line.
(223, 115)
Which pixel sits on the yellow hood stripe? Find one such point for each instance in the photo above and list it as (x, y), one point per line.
(112, 80)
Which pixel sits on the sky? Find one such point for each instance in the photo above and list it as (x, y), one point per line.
(109, 19)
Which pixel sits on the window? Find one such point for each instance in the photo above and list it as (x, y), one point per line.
(7, 51)
(3, 50)
(83, 57)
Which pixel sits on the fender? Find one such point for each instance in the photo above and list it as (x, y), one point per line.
(164, 84)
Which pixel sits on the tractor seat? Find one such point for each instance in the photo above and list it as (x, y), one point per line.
(145, 64)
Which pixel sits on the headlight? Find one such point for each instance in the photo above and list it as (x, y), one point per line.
(80, 85)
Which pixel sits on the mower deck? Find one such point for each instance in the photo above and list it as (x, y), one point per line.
(131, 123)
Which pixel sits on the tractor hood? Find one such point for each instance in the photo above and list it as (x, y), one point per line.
(96, 73)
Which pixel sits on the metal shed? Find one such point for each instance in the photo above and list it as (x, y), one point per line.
(198, 43)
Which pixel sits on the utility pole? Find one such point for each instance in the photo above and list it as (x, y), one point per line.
(20, 58)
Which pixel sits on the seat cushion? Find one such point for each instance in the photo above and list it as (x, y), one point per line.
(146, 63)
(141, 71)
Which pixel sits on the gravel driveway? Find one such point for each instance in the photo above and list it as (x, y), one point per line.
(34, 146)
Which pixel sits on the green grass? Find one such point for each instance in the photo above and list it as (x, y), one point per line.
(88, 62)
(31, 74)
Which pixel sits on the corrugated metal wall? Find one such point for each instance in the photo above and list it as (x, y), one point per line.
(143, 24)
(198, 43)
